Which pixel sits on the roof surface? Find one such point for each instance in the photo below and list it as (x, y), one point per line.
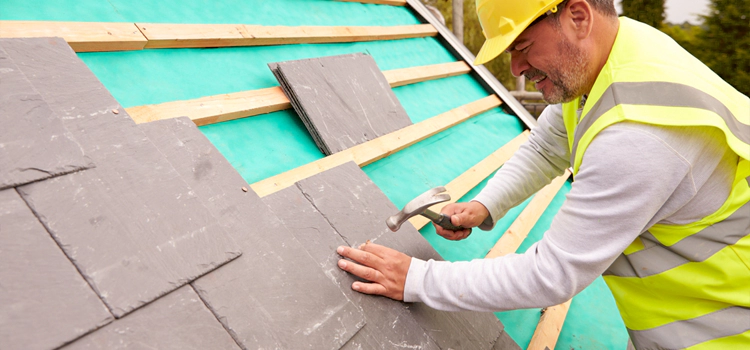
(143, 182)
(162, 246)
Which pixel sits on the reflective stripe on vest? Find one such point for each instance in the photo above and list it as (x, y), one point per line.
(679, 335)
(657, 258)
(677, 286)
(657, 94)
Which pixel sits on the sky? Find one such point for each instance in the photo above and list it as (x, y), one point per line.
(679, 11)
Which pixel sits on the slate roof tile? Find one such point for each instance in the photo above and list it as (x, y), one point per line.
(275, 295)
(388, 323)
(34, 144)
(132, 226)
(343, 100)
(179, 320)
(356, 208)
(162, 208)
(45, 301)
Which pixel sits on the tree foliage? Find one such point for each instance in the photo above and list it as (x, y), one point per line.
(473, 38)
(723, 44)
(650, 12)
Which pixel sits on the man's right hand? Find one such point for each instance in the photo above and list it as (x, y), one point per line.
(468, 215)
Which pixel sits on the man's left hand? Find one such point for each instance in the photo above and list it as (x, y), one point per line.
(384, 267)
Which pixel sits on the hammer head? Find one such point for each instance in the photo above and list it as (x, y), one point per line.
(417, 206)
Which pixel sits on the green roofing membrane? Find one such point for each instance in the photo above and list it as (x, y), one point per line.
(269, 144)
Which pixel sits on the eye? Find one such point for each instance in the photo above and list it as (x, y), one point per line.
(524, 47)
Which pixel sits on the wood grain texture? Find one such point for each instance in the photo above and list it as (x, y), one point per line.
(173, 35)
(224, 107)
(379, 148)
(548, 329)
(132, 225)
(44, 301)
(519, 229)
(81, 36)
(215, 109)
(379, 2)
(472, 177)
(551, 322)
(411, 75)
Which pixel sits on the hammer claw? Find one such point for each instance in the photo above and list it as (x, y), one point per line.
(419, 206)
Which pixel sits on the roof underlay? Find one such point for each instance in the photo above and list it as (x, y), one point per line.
(267, 145)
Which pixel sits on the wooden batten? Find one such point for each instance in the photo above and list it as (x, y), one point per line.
(548, 329)
(379, 2)
(519, 229)
(81, 36)
(215, 109)
(224, 107)
(465, 182)
(161, 35)
(380, 147)
(411, 75)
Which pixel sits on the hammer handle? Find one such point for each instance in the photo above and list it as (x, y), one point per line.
(441, 220)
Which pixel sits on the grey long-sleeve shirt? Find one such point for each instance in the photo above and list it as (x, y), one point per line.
(632, 176)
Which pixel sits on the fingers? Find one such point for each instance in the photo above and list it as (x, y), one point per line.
(366, 266)
(452, 235)
(470, 214)
(384, 267)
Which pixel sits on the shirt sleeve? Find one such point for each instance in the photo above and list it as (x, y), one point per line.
(626, 176)
(539, 160)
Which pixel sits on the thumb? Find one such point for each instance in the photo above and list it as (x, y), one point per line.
(458, 218)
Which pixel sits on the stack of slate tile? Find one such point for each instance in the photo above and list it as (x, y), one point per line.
(122, 236)
(342, 100)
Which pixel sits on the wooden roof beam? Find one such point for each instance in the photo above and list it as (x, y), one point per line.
(162, 35)
(381, 147)
(465, 182)
(224, 107)
(550, 323)
(117, 36)
(81, 36)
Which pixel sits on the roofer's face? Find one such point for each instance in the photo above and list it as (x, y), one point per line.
(545, 56)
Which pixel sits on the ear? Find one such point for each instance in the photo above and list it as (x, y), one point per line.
(579, 18)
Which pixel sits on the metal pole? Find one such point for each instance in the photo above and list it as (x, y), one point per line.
(486, 78)
(521, 83)
(458, 20)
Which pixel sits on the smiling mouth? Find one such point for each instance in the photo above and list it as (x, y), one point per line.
(539, 79)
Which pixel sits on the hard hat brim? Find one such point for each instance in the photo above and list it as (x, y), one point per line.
(494, 47)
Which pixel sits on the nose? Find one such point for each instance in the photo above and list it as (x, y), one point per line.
(518, 63)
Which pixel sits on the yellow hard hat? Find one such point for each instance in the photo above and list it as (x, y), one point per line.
(504, 20)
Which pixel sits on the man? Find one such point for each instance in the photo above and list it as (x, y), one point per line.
(660, 149)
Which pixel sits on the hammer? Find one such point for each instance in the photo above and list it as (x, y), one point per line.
(419, 205)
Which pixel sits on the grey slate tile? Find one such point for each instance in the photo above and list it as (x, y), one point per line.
(132, 226)
(178, 320)
(34, 144)
(44, 301)
(505, 342)
(357, 210)
(388, 323)
(275, 295)
(343, 100)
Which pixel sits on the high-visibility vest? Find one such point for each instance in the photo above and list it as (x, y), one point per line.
(677, 286)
